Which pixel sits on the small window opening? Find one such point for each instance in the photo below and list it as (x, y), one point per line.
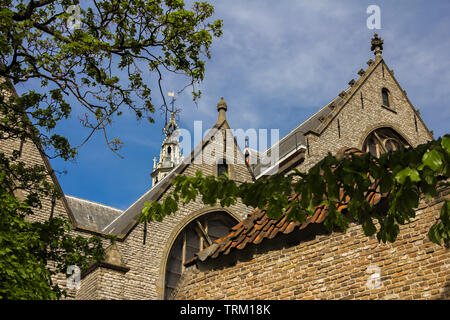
(385, 95)
(222, 168)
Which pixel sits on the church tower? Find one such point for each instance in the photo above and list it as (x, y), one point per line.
(170, 155)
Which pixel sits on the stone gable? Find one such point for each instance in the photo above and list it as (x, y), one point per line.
(352, 121)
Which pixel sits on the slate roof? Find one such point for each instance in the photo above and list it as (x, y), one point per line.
(91, 215)
(128, 218)
(258, 226)
(296, 138)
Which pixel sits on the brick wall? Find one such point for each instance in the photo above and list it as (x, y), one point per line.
(89, 287)
(333, 266)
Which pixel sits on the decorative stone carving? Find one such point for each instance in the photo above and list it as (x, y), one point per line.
(377, 44)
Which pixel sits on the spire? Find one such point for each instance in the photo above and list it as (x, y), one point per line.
(222, 108)
(170, 155)
(171, 126)
(377, 45)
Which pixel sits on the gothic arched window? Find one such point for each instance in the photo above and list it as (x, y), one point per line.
(196, 236)
(383, 140)
(386, 97)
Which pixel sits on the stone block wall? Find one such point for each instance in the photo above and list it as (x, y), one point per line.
(146, 277)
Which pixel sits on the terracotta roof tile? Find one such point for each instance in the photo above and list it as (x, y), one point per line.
(259, 238)
(266, 225)
(281, 221)
(242, 244)
(239, 225)
(290, 227)
(274, 232)
(322, 216)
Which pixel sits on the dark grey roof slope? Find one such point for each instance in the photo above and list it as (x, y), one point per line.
(91, 215)
(296, 138)
(122, 223)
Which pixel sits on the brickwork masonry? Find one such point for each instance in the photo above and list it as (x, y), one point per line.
(346, 265)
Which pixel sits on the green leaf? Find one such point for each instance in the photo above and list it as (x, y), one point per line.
(432, 159)
(445, 143)
(368, 227)
(412, 174)
(434, 235)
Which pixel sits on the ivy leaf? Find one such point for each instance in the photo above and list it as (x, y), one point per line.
(432, 159)
(368, 227)
(386, 182)
(401, 176)
(434, 235)
(445, 143)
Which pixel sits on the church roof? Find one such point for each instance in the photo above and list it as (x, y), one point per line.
(320, 120)
(258, 226)
(91, 215)
(122, 224)
(296, 138)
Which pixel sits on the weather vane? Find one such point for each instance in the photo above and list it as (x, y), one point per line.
(173, 111)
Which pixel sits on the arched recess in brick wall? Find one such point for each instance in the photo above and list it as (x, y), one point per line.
(195, 233)
(383, 140)
(370, 129)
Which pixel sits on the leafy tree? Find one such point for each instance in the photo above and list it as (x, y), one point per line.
(336, 182)
(106, 56)
(115, 40)
(27, 248)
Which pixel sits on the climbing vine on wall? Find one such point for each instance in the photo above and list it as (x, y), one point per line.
(341, 181)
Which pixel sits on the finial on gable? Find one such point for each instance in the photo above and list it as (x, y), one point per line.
(222, 108)
(377, 45)
(221, 104)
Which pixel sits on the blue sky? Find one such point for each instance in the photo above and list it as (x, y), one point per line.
(276, 64)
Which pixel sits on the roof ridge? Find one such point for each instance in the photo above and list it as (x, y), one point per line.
(93, 202)
(349, 93)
